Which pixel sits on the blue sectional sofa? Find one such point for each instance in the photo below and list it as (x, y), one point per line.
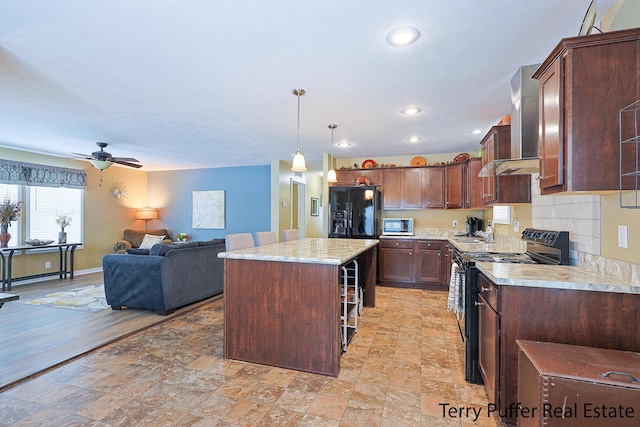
(164, 277)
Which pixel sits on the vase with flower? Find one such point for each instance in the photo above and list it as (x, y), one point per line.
(63, 221)
(9, 211)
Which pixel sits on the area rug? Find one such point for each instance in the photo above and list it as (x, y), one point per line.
(89, 298)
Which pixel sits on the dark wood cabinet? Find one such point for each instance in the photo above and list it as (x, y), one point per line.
(473, 195)
(412, 186)
(349, 176)
(396, 260)
(496, 145)
(455, 183)
(413, 263)
(428, 262)
(393, 185)
(583, 85)
(433, 193)
(596, 319)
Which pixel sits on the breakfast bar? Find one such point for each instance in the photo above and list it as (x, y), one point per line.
(282, 301)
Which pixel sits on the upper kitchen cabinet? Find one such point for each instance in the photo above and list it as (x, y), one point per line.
(433, 189)
(413, 188)
(456, 174)
(583, 85)
(473, 195)
(496, 145)
(350, 176)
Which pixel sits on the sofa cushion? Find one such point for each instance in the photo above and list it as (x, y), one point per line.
(138, 251)
(135, 236)
(161, 250)
(150, 240)
(211, 242)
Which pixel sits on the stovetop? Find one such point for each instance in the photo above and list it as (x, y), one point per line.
(498, 257)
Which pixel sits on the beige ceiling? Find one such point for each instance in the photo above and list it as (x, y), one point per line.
(204, 83)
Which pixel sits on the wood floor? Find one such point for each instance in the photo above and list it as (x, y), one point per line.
(34, 339)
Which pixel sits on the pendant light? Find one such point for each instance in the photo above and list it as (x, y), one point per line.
(298, 164)
(331, 175)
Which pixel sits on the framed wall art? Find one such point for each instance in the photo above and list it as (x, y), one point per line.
(208, 209)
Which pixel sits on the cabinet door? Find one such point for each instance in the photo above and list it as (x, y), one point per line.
(346, 177)
(433, 187)
(488, 360)
(488, 182)
(428, 263)
(455, 185)
(413, 188)
(551, 141)
(395, 265)
(474, 185)
(392, 182)
(447, 260)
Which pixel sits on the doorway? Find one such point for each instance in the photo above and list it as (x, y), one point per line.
(298, 206)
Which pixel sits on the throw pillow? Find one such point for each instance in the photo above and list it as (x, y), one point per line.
(150, 240)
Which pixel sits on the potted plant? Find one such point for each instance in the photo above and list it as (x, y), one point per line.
(9, 211)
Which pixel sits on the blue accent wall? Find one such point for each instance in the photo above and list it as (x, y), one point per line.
(247, 198)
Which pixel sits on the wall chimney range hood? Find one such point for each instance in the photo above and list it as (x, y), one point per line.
(524, 128)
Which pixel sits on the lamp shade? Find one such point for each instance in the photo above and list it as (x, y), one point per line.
(299, 164)
(100, 164)
(147, 213)
(331, 176)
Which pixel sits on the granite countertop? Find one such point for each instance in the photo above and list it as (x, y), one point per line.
(307, 251)
(512, 246)
(554, 277)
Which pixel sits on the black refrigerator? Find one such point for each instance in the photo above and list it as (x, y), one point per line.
(355, 212)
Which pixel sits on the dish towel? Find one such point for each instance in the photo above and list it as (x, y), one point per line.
(455, 301)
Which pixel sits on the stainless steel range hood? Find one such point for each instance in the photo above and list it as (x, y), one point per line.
(524, 128)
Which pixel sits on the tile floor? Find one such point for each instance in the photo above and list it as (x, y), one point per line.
(405, 360)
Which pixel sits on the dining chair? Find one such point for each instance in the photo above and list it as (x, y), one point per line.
(291, 234)
(238, 241)
(266, 238)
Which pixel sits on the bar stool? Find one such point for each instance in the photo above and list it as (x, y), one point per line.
(238, 241)
(266, 238)
(291, 234)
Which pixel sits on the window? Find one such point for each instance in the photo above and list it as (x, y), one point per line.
(45, 203)
(13, 193)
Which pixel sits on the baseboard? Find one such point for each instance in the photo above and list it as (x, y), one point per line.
(44, 279)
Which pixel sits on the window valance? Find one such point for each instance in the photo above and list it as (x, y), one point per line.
(21, 173)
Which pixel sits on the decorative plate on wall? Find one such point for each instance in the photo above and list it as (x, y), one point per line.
(368, 164)
(418, 161)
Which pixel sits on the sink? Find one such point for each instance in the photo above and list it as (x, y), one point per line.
(469, 239)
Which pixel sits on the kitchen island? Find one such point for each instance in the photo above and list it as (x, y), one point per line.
(549, 303)
(282, 301)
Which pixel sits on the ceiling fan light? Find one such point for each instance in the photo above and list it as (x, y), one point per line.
(100, 164)
(331, 176)
(299, 164)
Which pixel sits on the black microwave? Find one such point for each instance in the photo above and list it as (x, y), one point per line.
(397, 226)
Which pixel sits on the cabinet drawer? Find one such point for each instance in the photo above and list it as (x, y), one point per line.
(489, 292)
(396, 244)
(435, 245)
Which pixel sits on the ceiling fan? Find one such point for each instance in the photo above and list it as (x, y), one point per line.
(102, 160)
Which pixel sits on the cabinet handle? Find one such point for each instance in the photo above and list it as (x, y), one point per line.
(483, 289)
(478, 303)
(609, 373)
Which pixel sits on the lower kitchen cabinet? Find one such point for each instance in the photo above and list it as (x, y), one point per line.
(412, 263)
(508, 313)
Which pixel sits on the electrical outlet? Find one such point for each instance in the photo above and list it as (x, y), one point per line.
(516, 226)
(622, 236)
(455, 222)
(47, 264)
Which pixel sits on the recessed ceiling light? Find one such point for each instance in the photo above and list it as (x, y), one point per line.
(411, 111)
(343, 144)
(415, 139)
(402, 36)
(476, 132)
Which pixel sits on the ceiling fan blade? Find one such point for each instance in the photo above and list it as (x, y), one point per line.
(84, 156)
(133, 165)
(123, 159)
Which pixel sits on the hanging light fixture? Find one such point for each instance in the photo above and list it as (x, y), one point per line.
(331, 175)
(298, 164)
